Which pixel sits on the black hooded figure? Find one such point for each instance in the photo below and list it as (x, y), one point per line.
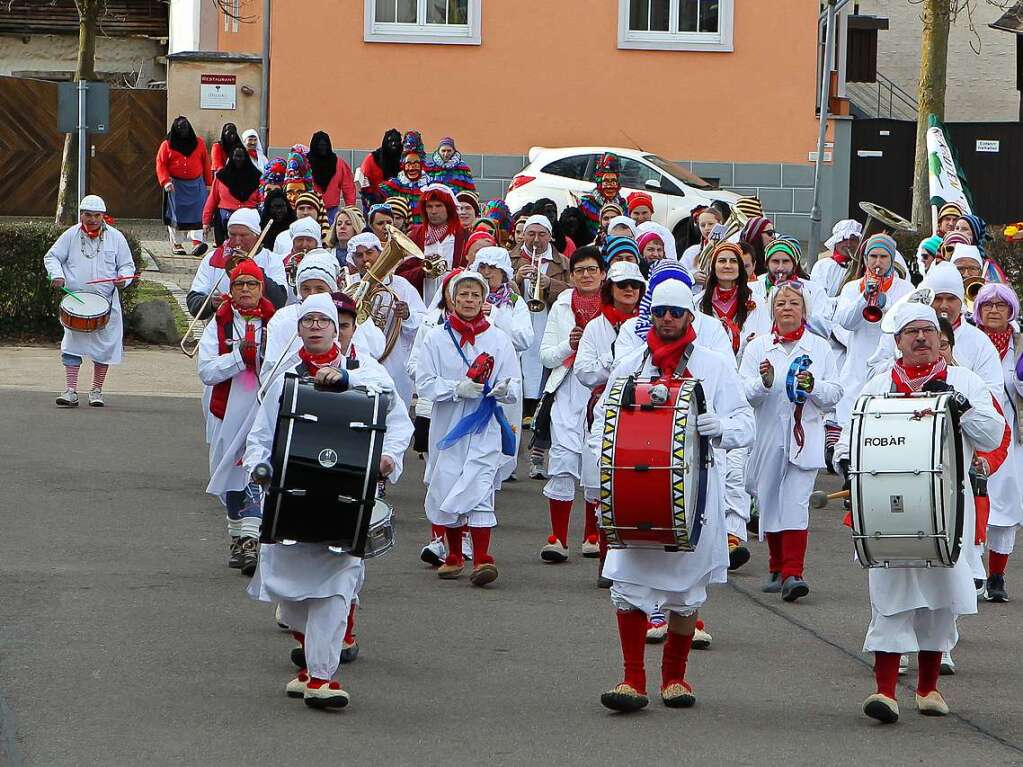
(275, 205)
(181, 136)
(322, 160)
(388, 155)
(229, 139)
(241, 178)
(547, 207)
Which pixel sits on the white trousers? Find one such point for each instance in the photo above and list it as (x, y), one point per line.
(323, 622)
(178, 237)
(912, 631)
(1001, 539)
(737, 500)
(631, 596)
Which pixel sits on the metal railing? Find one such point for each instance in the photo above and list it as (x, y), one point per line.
(882, 99)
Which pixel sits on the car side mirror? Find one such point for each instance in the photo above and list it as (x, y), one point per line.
(653, 183)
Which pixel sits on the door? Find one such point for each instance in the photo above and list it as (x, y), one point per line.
(881, 166)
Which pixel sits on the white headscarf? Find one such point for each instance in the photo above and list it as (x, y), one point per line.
(843, 230)
(366, 240)
(247, 217)
(306, 227)
(944, 278)
(496, 257)
(622, 221)
(670, 252)
(320, 303)
(259, 160)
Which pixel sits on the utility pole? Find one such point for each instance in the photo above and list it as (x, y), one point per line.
(264, 97)
(813, 247)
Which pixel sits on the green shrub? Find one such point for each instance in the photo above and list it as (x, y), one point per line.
(1009, 255)
(28, 305)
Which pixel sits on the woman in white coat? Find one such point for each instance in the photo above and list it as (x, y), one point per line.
(789, 378)
(91, 250)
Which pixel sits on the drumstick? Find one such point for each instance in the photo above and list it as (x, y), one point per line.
(113, 279)
(72, 294)
(819, 499)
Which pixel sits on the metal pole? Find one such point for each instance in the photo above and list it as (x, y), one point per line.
(264, 97)
(83, 90)
(813, 246)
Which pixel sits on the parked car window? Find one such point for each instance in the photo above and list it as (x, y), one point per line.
(677, 171)
(635, 174)
(576, 167)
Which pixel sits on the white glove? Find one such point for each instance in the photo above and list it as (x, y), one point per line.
(709, 425)
(469, 389)
(500, 391)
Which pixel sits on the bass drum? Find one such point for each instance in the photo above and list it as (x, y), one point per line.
(326, 462)
(906, 472)
(653, 465)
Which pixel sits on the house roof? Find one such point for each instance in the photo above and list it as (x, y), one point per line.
(1011, 20)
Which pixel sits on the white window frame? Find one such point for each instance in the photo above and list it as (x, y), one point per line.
(720, 41)
(231, 22)
(421, 32)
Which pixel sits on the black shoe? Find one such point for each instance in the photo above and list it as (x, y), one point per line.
(348, 654)
(200, 250)
(234, 559)
(996, 589)
(829, 459)
(981, 586)
(602, 582)
(298, 657)
(737, 557)
(793, 588)
(249, 556)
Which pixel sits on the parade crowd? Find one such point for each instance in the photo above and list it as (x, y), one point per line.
(503, 331)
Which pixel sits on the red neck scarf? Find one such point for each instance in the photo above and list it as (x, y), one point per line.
(616, 317)
(264, 310)
(666, 354)
(468, 330)
(911, 378)
(1000, 338)
(725, 302)
(436, 233)
(316, 361)
(884, 283)
(585, 308)
(780, 337)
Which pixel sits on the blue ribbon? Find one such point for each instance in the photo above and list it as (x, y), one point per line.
(799, 365)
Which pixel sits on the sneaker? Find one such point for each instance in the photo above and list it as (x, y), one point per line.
(96, 398)
(772, 584)
(466, 546)
(200, 249)
(179, 250)
(483, 574)
(981, 586)
(948, 668)
(249, 556)
(903, 665)
(68, 399)
(656, 628)
(678, 695)
(296, 687)
(701, 639)
(434, 553)
(794, 588)
(590, 548)
(320, 693)
(234, 557)
(349, 651)
(553, 552)
(738, 554)
(624, 698)
(882, 708)
(536, 471)
(996, 589)
(932, 704)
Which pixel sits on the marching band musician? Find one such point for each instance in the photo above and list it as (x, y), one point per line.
(644, 580)
(91, 250)
(782, 264)
(315, 586)
(571, 313)
(915, 609)
(831, 268)
(468, 369)
(242, 233)
(305, 236)
(966, 258)
(440, 237)
(790, 379)
(307, 205)
(231, 352)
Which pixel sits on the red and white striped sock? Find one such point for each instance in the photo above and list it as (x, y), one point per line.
(71, 376)
(99, 375)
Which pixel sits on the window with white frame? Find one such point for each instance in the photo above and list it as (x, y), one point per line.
(675, 25)
(451, 22)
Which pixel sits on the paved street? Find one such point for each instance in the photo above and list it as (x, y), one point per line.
(125, 639)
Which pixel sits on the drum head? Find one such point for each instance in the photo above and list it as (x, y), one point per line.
(90, 305)
(382, 511)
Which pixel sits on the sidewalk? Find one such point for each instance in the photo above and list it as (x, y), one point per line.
(147, 370)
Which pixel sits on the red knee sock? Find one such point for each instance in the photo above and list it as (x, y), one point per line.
(886, 672)
(71, 376)
(481, 546)
(437, 531)
(602, 543)
(454, 539)
(675, 657)
(929, 662)
(774, 552)
(590, 522)
(632, 633)
(793, 551)
(699, 624)
(350, 629)
(299, 637)
(996, 563)
(560, 513)
(99, 374)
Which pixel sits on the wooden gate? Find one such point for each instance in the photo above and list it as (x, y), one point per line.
(121, 162)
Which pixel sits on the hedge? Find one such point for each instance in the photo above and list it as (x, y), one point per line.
(1009, 255)
(28, 305)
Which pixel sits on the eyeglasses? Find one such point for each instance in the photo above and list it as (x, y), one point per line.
(586, 270)
(999, 305)
(927, 330)
(315, 323)
(674, 311)
(246, 284)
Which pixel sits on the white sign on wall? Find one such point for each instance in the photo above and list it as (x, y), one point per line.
(218, 92)
(988, 146)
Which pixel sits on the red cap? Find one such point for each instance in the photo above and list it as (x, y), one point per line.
(480, 236)
(345, 303)
(640, 199)
(249, 267)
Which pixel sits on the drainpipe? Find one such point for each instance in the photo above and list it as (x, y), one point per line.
(814, 245)
(264, 96)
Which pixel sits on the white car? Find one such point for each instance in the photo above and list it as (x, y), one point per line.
(565, 174)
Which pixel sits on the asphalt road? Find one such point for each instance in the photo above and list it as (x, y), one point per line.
(125, 640)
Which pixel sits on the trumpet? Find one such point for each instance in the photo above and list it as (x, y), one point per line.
(434, 266)
(189, 342)
(971, 287)
(291, 267)
(536, 303)
(876, 300)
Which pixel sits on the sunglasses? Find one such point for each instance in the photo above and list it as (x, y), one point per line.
(630, 285)
(674, 311)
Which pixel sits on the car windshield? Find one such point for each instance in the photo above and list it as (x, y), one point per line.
(677, 171)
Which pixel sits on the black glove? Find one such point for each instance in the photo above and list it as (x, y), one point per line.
(843, 469)
(936, 385)
(958, 404)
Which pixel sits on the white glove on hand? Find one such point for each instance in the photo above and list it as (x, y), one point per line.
(709, 425)
(469, 389)
(500, 391)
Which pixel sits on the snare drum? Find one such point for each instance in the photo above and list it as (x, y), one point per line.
(906, 471)
(326, 462)
(653, 465)
(88, 315)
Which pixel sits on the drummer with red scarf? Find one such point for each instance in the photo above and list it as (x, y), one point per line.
(571, 313)
(644, 580)
(915, 609)
(230, 354)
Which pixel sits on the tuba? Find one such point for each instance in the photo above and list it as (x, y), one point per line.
(743, 210)
(374, 300)
(971, 287)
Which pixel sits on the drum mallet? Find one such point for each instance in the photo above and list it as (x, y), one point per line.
(819, 499)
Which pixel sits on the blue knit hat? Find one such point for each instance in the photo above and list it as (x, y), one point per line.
(620, 246)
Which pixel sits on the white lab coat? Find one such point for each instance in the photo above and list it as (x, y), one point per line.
(780, 474)
(648, 578)
(897, 590)
(461, 479)
(446, 250)
(1003, 487)
(211, 279)
(78, 259)
(515, 320)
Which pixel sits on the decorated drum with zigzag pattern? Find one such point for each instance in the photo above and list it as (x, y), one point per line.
(653, 465)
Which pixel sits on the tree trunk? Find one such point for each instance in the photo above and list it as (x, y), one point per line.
(930, 98)
(67, 191)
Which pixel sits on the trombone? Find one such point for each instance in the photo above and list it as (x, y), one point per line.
(535, 303)
(189, 342)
